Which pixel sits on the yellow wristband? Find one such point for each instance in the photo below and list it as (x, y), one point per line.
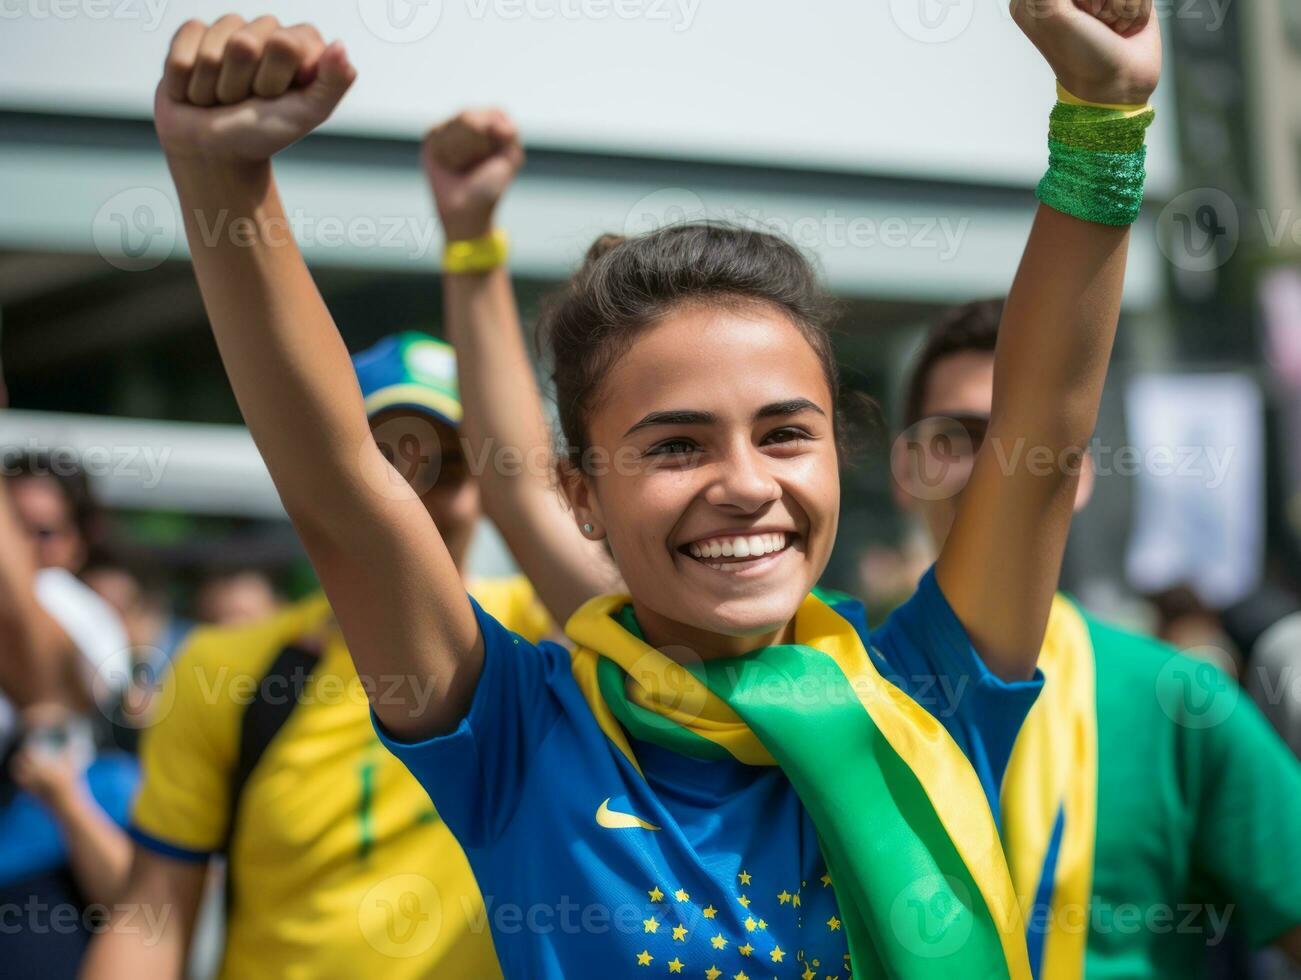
(1065, 96)
(477, 254)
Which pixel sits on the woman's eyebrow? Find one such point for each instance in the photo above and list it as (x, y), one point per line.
(673, 417)
(686, 416)
(792, 406)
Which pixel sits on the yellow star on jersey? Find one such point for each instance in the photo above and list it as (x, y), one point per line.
(808, 973)
(795, 900)
(762, 925)
(718, 942)
(750, 924)
(651, 925)
(644, 958)
(655, 894)
(784, 897)
(745, 950)
(777, 955)
(675, 965)
(713, 973)
(834, 923)
(741, 976)
(680, 934)
(710, 911)
(826, 880)
(681, 895)
(744, 876)
(745, 902)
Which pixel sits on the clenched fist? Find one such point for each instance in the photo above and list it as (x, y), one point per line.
(1106, 51)
(240, 91)
(470, 160)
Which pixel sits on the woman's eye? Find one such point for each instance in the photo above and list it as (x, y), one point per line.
(786, 435)
(674, 448)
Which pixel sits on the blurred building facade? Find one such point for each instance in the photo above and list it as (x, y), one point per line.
(744, 111)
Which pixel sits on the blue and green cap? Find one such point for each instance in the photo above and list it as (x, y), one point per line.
(410, 370)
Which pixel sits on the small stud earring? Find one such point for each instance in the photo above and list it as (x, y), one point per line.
(588, 529)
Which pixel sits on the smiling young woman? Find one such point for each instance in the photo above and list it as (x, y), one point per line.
(729, 774)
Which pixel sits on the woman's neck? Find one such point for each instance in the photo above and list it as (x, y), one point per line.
(686, 644)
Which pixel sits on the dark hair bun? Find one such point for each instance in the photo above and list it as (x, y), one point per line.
(601, 247)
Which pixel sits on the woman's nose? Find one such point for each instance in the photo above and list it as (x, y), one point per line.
(744, 482)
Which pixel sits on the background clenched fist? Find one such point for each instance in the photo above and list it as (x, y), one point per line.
(470, 160)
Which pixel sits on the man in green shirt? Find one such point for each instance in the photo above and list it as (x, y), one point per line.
(1197, 800)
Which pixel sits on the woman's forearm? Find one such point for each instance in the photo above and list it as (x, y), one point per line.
(287, 364)
(392, 584)
(503, 407)
(98, 850)
(510, 444)
(470, 161)
(1059, 326)
(1001, 563)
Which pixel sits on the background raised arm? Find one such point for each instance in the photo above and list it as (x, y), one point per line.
(1001, 563)
(470, 161)
(233, 94)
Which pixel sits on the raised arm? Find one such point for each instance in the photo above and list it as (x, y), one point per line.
(153, 921)
(470, 161)
(99, 851)
(1001, 563)
(232, 95)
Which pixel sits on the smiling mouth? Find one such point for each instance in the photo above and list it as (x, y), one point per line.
(737, 552)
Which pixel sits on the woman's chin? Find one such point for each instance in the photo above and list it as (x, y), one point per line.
(750, 616)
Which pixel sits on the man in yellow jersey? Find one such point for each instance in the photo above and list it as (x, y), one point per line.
(263, 750)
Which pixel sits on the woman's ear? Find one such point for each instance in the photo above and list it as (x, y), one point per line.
(577, 488)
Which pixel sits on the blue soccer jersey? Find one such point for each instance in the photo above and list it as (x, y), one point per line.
(704, 868)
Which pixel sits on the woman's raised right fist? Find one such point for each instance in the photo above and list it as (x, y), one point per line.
(241, 91)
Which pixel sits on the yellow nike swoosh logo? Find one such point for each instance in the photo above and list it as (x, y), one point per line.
(614, 820)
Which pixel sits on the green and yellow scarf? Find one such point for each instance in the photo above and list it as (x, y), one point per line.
(900, 813)
(1050, 800)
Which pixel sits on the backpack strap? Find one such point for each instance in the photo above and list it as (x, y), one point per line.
(273, 703)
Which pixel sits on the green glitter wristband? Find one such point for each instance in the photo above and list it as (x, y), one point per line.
(1096, 163)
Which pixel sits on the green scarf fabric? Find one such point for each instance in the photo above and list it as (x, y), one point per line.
(910, 843)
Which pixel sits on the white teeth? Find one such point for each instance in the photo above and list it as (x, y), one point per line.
(743, 546)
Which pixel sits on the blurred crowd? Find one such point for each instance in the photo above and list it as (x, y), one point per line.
(70, 769)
